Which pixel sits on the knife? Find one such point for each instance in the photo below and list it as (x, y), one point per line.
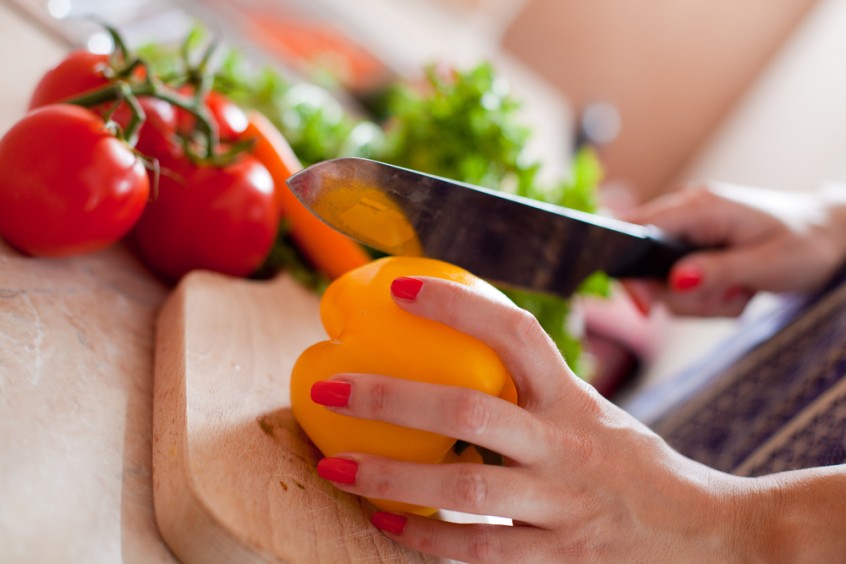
(506, 239)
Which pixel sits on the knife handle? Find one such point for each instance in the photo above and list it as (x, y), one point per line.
(660, 253)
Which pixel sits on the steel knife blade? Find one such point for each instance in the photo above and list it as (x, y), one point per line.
(506, 239)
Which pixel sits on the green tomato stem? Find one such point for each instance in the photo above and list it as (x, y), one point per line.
(138, 117)
(122, 90)
(120, 49)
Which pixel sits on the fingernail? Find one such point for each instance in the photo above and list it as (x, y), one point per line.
(389, 522)
(331, 393)
(339, 470)
(685, 278)
(641, 301)
(406, 288)
(642, 305)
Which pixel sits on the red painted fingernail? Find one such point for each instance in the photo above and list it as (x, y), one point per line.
(642, 306)
(686, 278)
(641, 303)
(406, 288)
(331, 393)
(339, 470)
(389, 522)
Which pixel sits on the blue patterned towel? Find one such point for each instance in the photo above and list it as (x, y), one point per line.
(773, 398)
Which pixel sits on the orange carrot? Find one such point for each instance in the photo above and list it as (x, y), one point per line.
(328, 250)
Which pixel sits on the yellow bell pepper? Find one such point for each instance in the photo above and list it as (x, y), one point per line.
(369, 333)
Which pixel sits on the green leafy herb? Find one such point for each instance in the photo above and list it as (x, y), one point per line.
(461, 126)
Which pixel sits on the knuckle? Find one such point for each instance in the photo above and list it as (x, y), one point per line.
(592, 403)
(525, 326)
(578, 445)
(382, 487)
(484, 546)
(424, 540)
(705, 194)
(471, 414)
(381, 481)
(469, 488)
(377, 398)
(449, 303)
(455, 296)
(699, 189)
(696, 195)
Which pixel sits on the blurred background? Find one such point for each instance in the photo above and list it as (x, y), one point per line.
(670, 92)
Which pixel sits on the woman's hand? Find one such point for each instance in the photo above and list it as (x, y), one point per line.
(759, 240)
(583, 481)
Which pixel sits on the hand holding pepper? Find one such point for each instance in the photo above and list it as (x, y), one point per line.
(583, 480)
(369, 333)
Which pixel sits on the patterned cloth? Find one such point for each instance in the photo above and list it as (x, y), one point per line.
(772, 399)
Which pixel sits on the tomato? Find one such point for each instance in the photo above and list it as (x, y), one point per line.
(230, 119)
(76, 74)
(83, 71)
(157, 136)
(216, 218)
(67, 185)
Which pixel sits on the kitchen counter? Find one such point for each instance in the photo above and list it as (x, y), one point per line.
(76, 370)
(76, 366)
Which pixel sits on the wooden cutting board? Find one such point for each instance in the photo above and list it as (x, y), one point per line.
(233, 474)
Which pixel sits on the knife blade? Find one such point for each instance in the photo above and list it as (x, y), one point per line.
(504, 238)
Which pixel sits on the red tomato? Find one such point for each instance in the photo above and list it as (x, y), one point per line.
(230, 119)
(157, 136)
(77, 73)
(215, 218)
(83, 71)
(67, 185)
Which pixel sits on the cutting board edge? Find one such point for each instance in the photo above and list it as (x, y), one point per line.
(183, 508)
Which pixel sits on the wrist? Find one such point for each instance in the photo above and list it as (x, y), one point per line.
(740, 517)
(791, 517)
(725, 517)
(755, 529)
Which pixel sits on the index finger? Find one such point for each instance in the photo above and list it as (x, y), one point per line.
(698, 215)
(539, 372)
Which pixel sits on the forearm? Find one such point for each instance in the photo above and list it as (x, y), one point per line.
(797, 516)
